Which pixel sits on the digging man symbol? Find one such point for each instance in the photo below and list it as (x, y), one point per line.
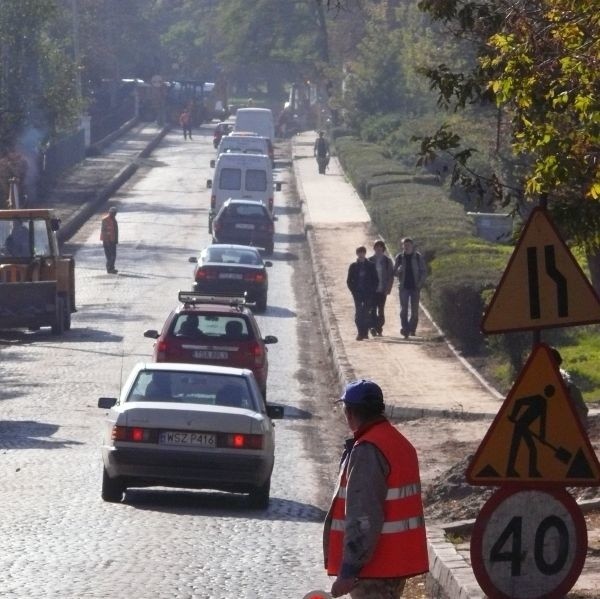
(526, 411)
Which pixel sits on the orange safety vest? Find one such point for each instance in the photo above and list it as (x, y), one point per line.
(109, 230)
(401, 550)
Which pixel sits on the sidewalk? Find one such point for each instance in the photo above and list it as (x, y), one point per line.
(88, 184)
(409, 370)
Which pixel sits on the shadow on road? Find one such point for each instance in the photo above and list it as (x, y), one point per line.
(278, 312)
(282, 210)
(289, 237)
(293, 413)
(31, 434)
(283, 256)
(220, 504)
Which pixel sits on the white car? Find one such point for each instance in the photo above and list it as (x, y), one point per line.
(189, 426)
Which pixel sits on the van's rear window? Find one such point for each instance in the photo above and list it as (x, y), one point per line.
(230, 178)
(256, 180)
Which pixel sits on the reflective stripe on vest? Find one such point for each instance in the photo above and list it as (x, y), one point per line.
(388, 527)
(394, 493)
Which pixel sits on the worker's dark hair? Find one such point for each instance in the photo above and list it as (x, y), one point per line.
(361, 249)
(380, 244)
(367, 411)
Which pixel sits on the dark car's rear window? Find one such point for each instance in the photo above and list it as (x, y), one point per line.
(247, 211)
(232, 256)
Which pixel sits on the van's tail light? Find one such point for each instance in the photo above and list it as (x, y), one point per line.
(217, 226)
(241, 441)
(270, 204)
(134, 434)
(213, 202)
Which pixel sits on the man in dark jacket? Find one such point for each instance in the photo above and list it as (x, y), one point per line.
(362, 281)
(385, 274)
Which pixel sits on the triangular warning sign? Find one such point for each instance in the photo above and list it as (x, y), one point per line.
(536, 436)
(542, 286)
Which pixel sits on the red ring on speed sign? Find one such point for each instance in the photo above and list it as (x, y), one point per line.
(317, 595)
(514, 531)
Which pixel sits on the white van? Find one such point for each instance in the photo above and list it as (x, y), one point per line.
(242, 177)
(243, 144)
(258, 120)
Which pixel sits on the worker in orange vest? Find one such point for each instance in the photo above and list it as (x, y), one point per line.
(374, 536)
(109, 236)
(185, 120)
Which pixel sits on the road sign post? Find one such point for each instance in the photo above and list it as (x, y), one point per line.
(528, 544)
(530, 538)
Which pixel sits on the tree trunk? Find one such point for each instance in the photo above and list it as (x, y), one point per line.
(323, 37)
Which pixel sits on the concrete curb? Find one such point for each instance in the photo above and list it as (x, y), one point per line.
(450, 576)
(83, 213)
(97, 147)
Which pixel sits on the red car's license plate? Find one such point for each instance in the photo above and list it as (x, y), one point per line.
(210, 355)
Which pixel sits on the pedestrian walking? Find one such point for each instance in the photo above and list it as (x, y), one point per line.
(321, 152)
(409, 267)
(109, 236)
(185, 120)
(385, 274)
(362, 282)
(374, 534)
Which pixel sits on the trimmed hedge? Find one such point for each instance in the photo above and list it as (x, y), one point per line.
(463, 267)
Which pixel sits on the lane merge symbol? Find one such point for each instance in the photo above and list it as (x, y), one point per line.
(542, 285)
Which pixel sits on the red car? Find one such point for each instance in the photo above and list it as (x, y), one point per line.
(220, 130)
(214, 330)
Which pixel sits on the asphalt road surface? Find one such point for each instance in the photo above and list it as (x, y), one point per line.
(57, 537)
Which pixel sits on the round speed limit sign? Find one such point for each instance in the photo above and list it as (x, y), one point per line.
(528, 544)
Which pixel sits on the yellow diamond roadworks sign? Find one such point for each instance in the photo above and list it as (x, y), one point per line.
(542, 286)
(536, 437)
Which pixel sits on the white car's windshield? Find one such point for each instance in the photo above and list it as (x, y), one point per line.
(192, 388)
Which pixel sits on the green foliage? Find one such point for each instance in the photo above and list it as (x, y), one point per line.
(546, 71)
(581, 356)
(273, 40)
(36, 77)
(379, 127)
(383, 77)
(538, 61)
